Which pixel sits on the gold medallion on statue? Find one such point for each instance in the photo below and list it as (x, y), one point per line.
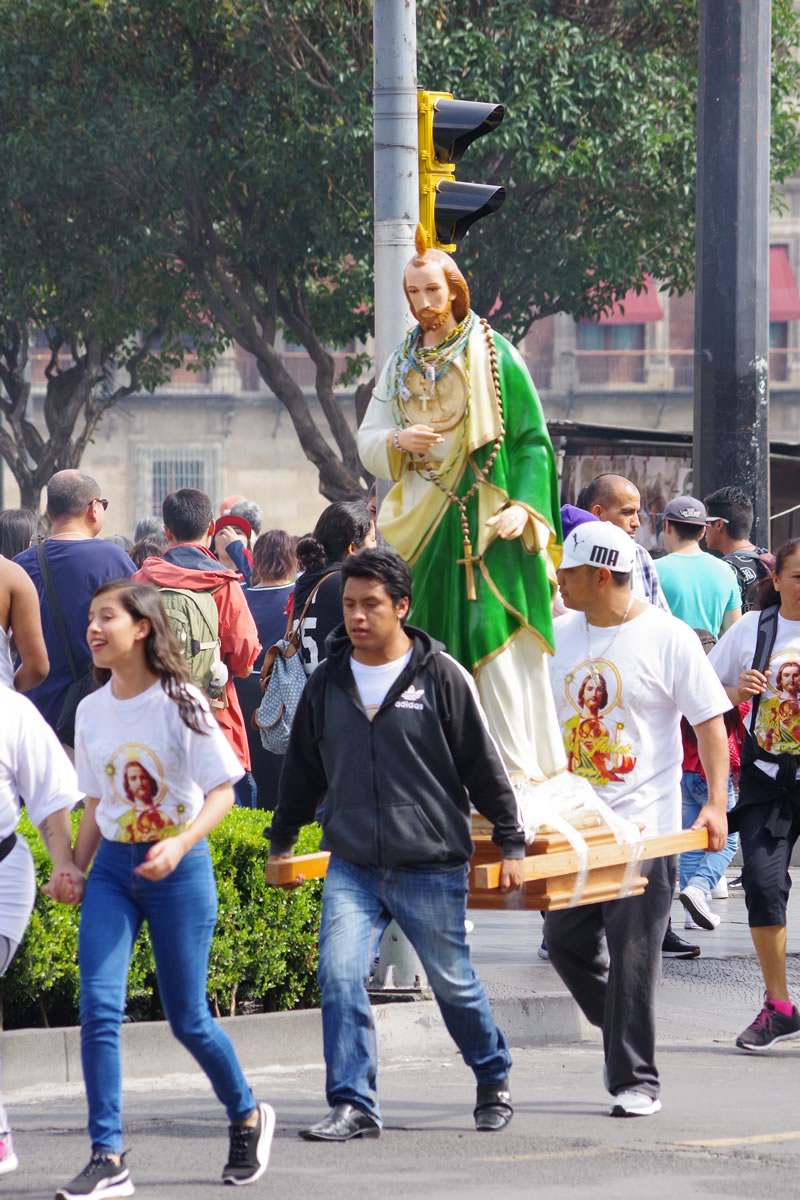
(441, 405)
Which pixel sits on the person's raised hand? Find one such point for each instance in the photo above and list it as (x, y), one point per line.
(227, 535)
(510, 523)
(418, 439)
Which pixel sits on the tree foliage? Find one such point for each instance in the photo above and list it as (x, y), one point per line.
(216, 159)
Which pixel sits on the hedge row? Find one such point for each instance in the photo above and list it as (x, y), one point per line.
(264, 951)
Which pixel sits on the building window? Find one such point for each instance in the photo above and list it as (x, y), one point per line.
(778, 351)
(609, 354)
(164, 469)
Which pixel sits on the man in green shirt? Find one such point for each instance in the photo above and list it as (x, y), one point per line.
(701, 590)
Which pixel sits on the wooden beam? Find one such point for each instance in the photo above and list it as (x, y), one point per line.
(545, 866)
(281, 871)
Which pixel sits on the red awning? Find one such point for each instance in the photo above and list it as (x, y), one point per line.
(639, 310)
(784, 298)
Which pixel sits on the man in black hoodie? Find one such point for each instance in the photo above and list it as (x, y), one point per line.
(390, 734)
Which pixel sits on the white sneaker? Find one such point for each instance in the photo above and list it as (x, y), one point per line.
(689, 921)
(720, 892)
(634, 1104)
(695, 901)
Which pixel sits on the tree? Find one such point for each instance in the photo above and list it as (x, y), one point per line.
(238, 142)
(83, 275)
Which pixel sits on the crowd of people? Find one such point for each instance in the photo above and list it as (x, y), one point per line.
(141, 664)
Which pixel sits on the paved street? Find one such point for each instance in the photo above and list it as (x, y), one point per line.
(730, 1125)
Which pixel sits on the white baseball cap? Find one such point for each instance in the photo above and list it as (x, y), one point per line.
(599, 544)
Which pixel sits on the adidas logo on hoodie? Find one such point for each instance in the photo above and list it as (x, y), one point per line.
(411, 698)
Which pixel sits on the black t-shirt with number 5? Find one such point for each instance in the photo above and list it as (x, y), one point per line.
(324, 611)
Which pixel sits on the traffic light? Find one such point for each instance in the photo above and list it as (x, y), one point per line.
(447, 127)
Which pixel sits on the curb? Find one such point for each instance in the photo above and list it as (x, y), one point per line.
(35, 1057)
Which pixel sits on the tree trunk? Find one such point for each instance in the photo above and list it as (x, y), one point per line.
(30, 495)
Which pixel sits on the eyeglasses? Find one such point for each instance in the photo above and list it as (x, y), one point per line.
(100, 500)
(713, 521)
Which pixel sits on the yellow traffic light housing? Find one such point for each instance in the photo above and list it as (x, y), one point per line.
(447, 127)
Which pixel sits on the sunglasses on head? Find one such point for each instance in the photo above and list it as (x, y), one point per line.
(101, 500)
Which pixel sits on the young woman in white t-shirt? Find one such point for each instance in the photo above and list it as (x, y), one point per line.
(158, 776)
(34, 765)
(767, 815)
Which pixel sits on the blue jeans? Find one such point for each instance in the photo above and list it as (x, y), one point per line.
(429, 905)
(181, 912)
(703, 868)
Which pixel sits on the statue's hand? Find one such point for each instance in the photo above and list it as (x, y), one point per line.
(511, 522)
(418, 439)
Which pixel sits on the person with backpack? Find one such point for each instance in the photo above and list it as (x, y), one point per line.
(758, 660)
(344, 528)
(157, 774)
(730, 519)
(207, 610)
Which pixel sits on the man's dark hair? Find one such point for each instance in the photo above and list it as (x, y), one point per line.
(735, 506)
(384, 565)
(187, 514)
(686, 531)
(69, 494)
(622, 578)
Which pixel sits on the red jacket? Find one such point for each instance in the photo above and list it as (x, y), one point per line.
(239, 644)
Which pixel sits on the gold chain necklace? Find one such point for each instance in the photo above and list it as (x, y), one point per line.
(469, 560)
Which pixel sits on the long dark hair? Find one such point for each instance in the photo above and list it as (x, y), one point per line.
(17, 530)
(343, 523)
(161, 650)
(764, 594)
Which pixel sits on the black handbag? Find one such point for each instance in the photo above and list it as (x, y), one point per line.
(82, 685)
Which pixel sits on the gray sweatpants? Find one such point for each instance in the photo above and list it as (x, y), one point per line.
(609, 956)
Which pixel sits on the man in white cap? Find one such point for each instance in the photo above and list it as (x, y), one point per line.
(623, 674)
(700, 589)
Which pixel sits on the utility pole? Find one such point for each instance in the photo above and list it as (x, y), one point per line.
(396, 166)
(731, 381)
(396, 216)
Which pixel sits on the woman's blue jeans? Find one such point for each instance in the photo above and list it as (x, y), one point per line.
(703, 868)
(429, 905)
(181, 912)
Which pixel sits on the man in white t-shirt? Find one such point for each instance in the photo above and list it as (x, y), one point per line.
(389, 737)
(623, 674)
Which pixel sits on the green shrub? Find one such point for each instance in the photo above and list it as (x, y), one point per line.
(264, 950)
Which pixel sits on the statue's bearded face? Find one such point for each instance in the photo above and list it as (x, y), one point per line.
(430, 295)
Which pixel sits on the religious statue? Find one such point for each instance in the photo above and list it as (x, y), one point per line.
(456, 423)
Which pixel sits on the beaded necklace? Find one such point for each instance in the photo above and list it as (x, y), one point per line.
(430, 361)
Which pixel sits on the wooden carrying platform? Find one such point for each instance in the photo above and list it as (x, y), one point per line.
(551, 866)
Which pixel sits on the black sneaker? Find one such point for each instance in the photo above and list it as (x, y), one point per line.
(100, 1177)
(249, 1149)
(675, 947)
(769, 1027)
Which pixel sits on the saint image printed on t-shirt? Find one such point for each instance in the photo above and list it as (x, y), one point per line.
(594, 739)
(137, 778)
(778, 721)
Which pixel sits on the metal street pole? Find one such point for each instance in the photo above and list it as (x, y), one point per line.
(731, 382)
(396, 166)
(396, 215)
